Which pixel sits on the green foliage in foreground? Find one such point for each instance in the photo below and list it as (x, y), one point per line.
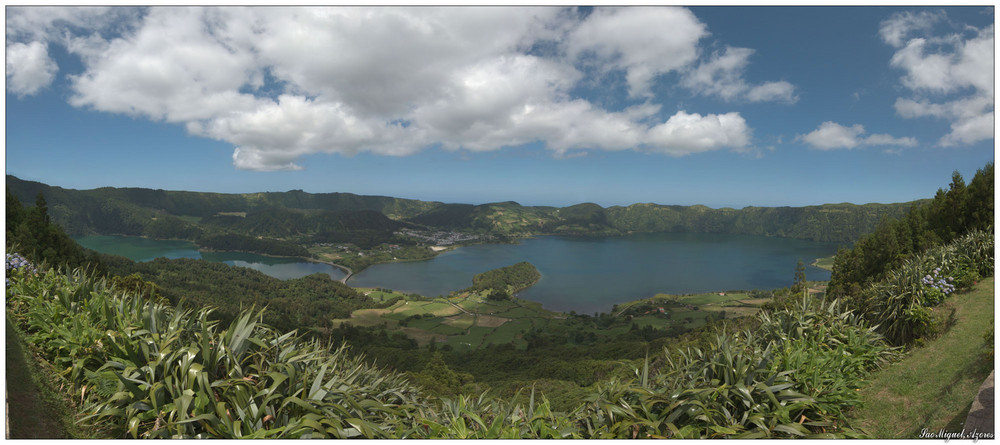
(144, 369)
(900, 304)
(147, 370)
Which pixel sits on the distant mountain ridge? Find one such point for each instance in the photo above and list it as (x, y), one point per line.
(139, 211)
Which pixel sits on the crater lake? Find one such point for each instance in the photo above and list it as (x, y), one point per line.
(590, 275)
(579, 274)
(145, 249)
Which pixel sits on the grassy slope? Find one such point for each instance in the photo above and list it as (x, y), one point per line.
(33, 410)
(933, 387)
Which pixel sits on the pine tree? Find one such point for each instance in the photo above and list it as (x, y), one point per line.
(800, 278)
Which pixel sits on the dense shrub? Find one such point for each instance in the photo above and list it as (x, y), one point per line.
(792, 377)
(900, 304)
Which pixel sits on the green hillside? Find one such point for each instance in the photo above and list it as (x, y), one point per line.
(127, 210)
(370, 220)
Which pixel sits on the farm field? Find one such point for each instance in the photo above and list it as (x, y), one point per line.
(468, 320)
(464, 321)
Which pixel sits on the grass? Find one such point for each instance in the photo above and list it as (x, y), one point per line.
(705, 298)
(490, 321)
(824, 263)
(447, 330)
(487, 321)
(462, 321)
(326, 253)
(732, 311)
(501, 322)
(379, 296)
(655, 322)
(33, 408)
(367, 318)
(518, 312)
(933, 387)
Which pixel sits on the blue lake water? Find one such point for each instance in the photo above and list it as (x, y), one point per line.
(590, 275)
(585, 275)
(144, 249)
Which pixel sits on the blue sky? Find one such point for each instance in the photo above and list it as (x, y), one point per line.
(721, 106)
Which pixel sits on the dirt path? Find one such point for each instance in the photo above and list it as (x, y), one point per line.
(460, 308)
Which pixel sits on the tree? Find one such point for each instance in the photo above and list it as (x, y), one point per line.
(498, 295)
(43, 208)
(800, 278)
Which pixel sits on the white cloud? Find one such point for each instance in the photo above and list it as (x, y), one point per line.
(884, 139)
(722, 75)
(951, 76)
(173, 68)
(896, 29)
(485, 106)
(971, 130)
(283, 83)
(384, 60)
(831, 136)
(685, 133)
(29, 68)
(645, 42)
(773, 91)
(50, 23)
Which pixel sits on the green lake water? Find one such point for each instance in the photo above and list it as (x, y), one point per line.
(144, 249)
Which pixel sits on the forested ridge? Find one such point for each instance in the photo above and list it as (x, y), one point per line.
(367, 221)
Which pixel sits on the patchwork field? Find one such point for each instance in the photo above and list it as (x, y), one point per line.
(469, 320)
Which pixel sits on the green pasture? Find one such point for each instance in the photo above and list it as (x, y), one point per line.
(703, 298)
(380, 296)
(824, 263)
(655, 322)
(519, 312)
(462, 321)
(485, 322)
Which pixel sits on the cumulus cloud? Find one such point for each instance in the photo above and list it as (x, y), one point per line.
(29, 68)
(282, 83)
(645, 42)
(951, 76)
(722, 75)
(831, 136)
(687, 133)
